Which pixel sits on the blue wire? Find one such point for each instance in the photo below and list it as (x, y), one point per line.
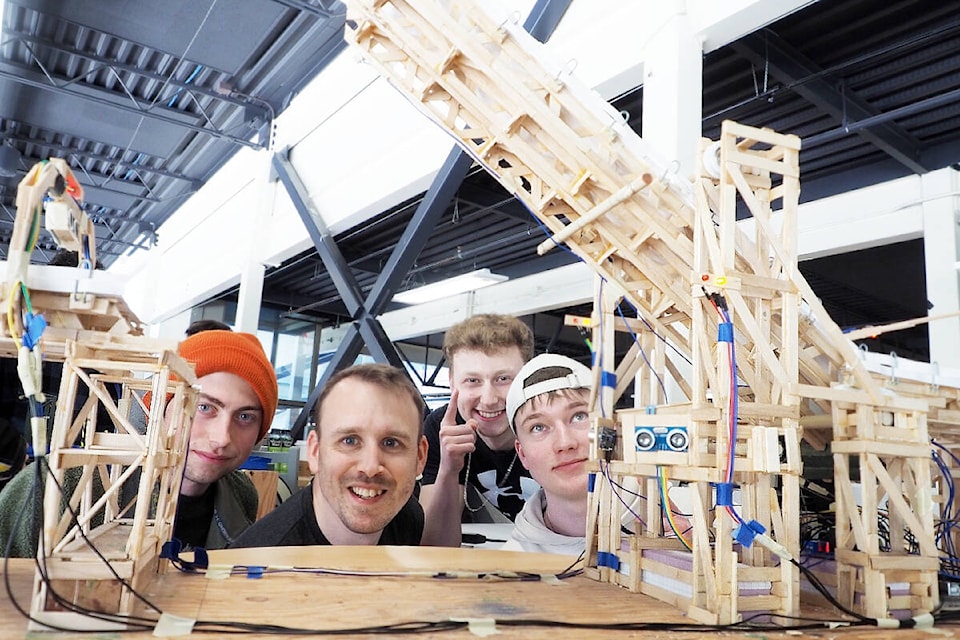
(606, 474)
(193, 74)
(644, 354)
(950, 564)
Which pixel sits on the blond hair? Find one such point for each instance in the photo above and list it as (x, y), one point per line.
(488, 333)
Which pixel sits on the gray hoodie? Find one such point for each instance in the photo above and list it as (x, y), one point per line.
(531, 534)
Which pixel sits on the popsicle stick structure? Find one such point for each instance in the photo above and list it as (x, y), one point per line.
(724, 318)
(119, 480)
(114, 464)
(77, 303)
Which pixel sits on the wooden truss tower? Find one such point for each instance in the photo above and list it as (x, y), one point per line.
(120, 481)
(722, 315)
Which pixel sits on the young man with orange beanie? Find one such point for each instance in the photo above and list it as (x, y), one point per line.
(238, 397)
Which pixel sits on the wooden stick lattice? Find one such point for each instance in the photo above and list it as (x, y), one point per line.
(114, 476)
(94, 477)
(672, 248)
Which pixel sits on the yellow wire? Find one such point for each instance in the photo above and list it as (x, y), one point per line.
(11, 324)
(665, 506)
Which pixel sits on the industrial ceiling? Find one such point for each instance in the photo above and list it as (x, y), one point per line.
(146, 100)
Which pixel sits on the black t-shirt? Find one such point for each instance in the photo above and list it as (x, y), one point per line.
(294, 523)
(488, 472)
(194, 514)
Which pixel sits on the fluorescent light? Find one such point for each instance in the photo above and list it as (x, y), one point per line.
(450, 287)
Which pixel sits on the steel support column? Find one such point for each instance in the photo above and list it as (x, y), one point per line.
(541, 22)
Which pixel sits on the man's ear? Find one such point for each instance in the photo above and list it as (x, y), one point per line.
(313, 450)
(520, 453)
(422, 454)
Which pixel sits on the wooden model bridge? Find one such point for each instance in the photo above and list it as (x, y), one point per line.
(723, 316)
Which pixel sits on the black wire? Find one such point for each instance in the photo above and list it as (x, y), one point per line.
(672, 627)
(818, 585)
(569, 571)
(9, 549)
(401, 628)
(93, 547)
(135, 624)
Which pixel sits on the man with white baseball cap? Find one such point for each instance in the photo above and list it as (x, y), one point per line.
(548, 409)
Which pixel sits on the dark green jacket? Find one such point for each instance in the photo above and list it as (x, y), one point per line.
(235, 508)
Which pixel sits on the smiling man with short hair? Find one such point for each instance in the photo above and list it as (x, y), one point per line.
(473, 473)
(365, 453)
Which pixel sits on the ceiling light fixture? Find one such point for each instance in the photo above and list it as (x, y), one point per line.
(450, 287)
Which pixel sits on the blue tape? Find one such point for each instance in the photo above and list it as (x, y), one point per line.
(171, 551)
(606, 559)
(608, 379)
(650, 409)
(255, 572)
(746, 532)
(33, 329)
(744, 535)
(725, 332)
(200, 558)
(591, 481)
(725, 494)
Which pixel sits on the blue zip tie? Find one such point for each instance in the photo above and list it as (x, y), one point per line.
(591, 481)
(650, 409)
(725, 332)
(608, 379)
(255, 572)
(610, 560)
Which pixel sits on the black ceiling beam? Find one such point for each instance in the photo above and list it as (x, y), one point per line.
(90, 155)
(23, 75)
(365, 326)
(933, 102)
(804, 77)
(117, 66)
(541, 22)
(323, 240)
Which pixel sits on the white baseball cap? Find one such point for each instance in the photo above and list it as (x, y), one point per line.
(572, 375)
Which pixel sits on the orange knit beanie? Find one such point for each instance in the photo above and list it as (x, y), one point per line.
(240, 354)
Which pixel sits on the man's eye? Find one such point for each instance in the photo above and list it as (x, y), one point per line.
(504, 379)
(391, 443)
(203, 407)
(538, 428)
(580, 416)
(350, 441)
(246, 417)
